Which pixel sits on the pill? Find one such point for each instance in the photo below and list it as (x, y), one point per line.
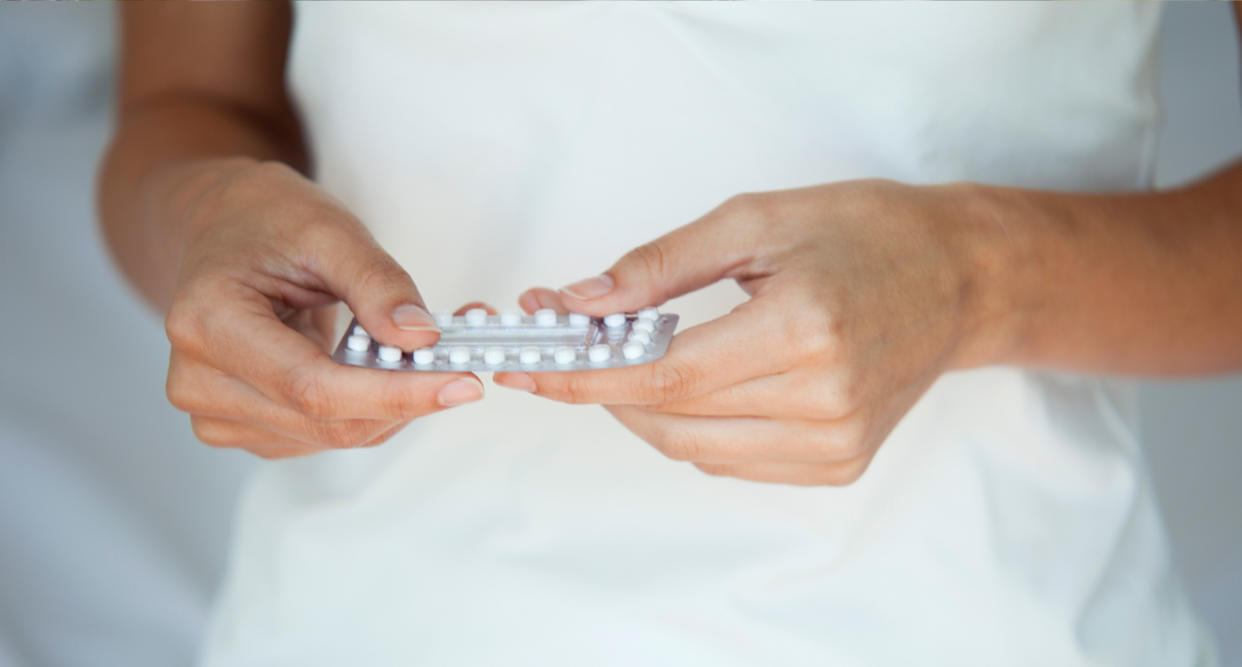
(459, 355)
(511, 318)
(643, 325)
(424, 356)
(389, 353)
(476, 317)
(598, 353)
(443, 318)
(494, 356)
(529, 355)
(579, 320)
(545, 317)
(615, 320)
(639, 336)
(565, 355)
(358, 343)
(633, 350)
(359, 331)
(649, 314)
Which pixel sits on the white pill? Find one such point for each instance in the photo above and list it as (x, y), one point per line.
(633, 350)
(443, 318)
(545, 317)
(579, 320)
(639, 336)
(359, 331)
(358, 343)
(494, 356)
(649, 314)
(529, 356)
(598, 353)
(476, 317)
(459, 356)
(389, 354)
(424, 356)
(565, 355)
(615, 320)
(643, 325)
(511, 318)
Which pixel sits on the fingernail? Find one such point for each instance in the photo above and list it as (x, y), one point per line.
(590, 288)
(520, 381)
(410, 317)
(460, 391)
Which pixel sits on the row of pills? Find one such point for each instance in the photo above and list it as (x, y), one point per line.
(544, 317)
(496, 356)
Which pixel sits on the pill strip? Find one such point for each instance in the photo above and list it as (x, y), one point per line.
(514, 341)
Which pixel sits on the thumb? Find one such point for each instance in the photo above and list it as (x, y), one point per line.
(685, 259)
(380, 293)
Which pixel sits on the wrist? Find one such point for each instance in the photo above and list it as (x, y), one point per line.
(995, 237)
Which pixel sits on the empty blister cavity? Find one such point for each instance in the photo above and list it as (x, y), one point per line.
(540, 342)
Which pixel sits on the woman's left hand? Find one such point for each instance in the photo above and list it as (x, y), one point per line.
(862, 294)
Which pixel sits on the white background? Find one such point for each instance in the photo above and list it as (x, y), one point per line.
(113, 521)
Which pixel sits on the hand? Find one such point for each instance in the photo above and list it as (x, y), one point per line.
(861, 296)
(265, 258)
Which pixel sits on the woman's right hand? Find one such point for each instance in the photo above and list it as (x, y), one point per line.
(265, 257)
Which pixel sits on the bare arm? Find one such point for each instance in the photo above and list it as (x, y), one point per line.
(201, 93)
(205, 209)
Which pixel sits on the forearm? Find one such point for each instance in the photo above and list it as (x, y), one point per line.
(165, 153)
(1144, 284)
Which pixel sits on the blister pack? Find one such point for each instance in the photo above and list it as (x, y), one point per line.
(514, 341)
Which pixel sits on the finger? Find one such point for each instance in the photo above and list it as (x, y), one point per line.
(713, 247)
(736, 439)
(249, 343)
(706, 357)
(537, 298)
(200, 390)
(475, 304)
(796, 394)
(797, 474)
(236, 435)
(380, 293)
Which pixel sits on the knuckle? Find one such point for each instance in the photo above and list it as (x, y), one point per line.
(651, 257)
(181, 394)
(183, 329)
(576, 390)
(814, 333)
(714, 469)
(209, 433)
(681, 444)
(669, 381)
(749, 208)
(307, 393)
(846, 474)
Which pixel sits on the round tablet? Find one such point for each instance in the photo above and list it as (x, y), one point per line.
(529, 356)
(443, 318)
(598, 353)
(615, 320)
(359, 331)
(649, 314)
(643, 325)
(476, 317)
(545, 317)
(633, 350)
(358, 343)
(639, 336)
(424, 356)
(511, 318)
(459, 355)
(565, 356)
(389, 353)
(579, 320)
(494, 356)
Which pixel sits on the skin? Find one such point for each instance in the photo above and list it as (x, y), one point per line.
(880, 287)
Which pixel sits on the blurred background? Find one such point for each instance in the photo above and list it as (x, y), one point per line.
(114, 522)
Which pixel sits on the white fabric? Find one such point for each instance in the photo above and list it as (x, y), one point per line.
(1008, 519)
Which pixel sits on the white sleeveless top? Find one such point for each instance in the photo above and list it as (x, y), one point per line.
(1008, 520)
